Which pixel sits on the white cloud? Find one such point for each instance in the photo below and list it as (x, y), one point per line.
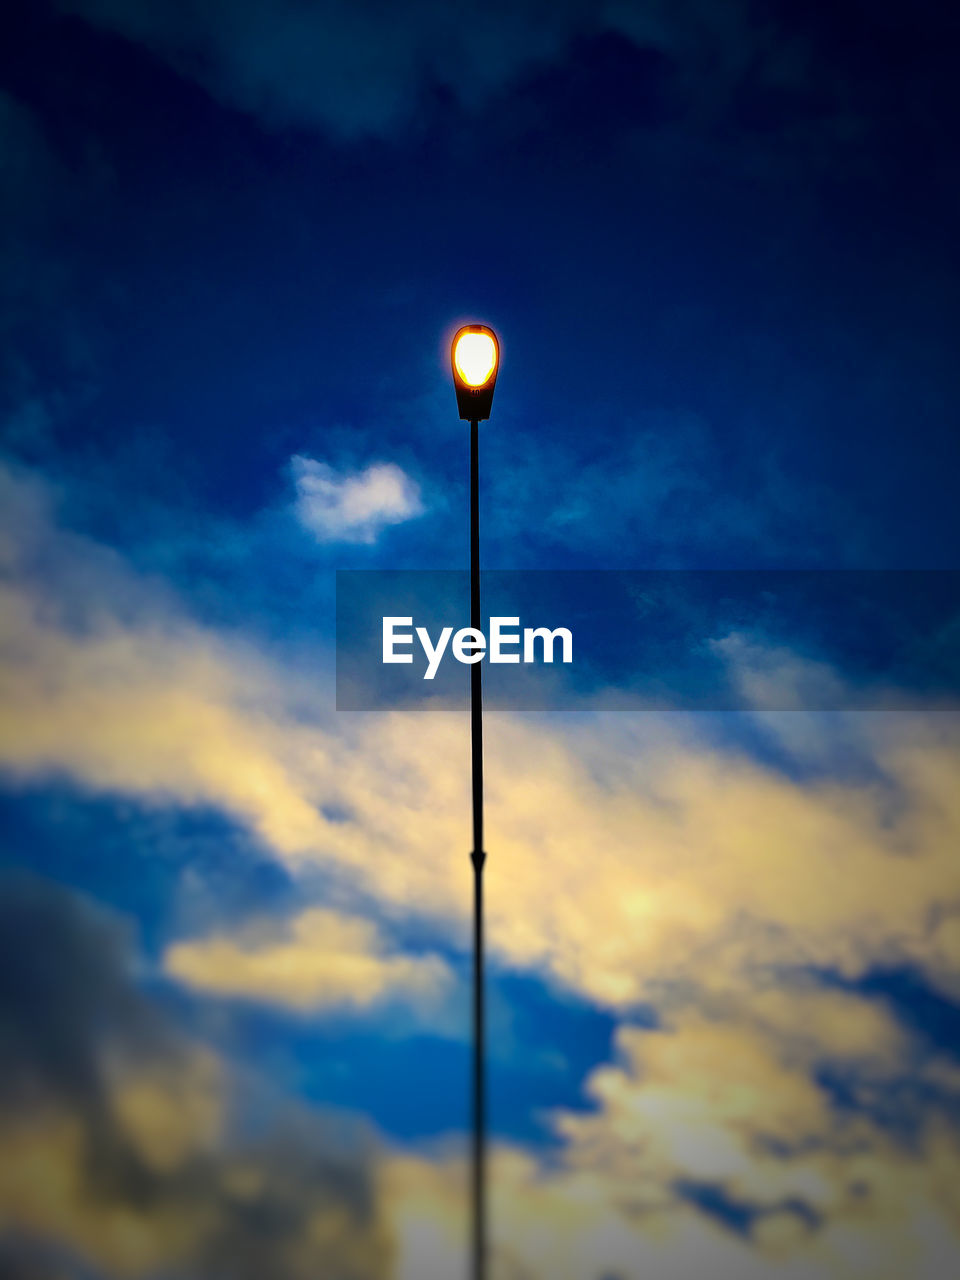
(353, 506)
(629, 858)
(325, 960)
(124, 1151)
(731, 1105)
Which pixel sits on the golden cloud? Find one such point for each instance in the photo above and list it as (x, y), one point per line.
(628, 854)
(326, 960)
(631, 858)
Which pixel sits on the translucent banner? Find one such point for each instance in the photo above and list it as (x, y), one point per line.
(661, 639)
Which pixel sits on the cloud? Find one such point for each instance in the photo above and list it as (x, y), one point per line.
(653, 500)
(353, 506)
(127, 1149)
(353, 69)
(28, 166)
(358, 70)
(713, 1146)
(327, 960)
(740, 1109)
(364, 69)
(124, 1143)
(631, 858)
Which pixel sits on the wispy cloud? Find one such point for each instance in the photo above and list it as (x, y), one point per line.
(715, 1147)
(633, 857)
(351, 69)
(353, 506)
(632, 861)
(324, 960)
(127, 1148)
(360, 70)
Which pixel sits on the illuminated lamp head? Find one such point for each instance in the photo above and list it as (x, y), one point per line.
(476, 359)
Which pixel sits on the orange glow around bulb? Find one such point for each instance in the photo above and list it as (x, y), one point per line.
(475, 358)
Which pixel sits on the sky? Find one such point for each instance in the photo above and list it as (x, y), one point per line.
(717, 243)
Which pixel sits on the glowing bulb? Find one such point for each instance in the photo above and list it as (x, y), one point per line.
(475, 358)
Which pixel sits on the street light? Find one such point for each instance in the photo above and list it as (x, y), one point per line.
(475, 356)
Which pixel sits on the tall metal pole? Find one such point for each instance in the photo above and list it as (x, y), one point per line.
(477, 857)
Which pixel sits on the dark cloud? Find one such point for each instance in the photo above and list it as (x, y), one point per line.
(364, 68)
(131, 1150)
(62, 974)
(769, 90)
(354, 68)
(46, 346)
(24, 1259)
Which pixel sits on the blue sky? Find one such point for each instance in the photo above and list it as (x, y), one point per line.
(718, 245)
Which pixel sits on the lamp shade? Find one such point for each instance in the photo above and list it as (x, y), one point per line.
(475, 357)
